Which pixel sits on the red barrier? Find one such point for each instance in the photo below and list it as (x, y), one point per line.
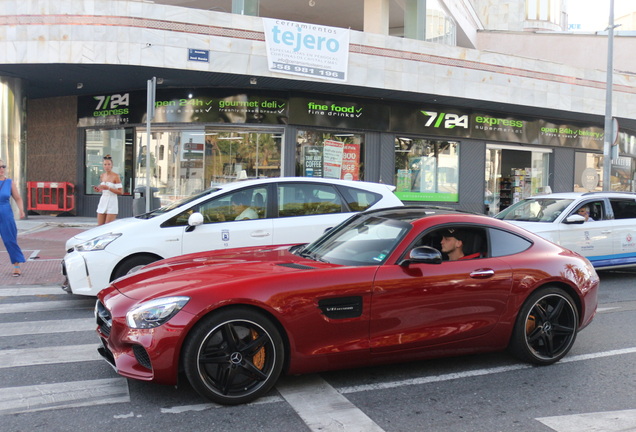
(50, 196)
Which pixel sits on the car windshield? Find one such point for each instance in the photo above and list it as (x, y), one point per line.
(176, 204)
(535, 210)
(361, 240)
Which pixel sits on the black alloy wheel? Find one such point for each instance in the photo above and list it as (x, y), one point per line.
(546, 327)
(233, 356)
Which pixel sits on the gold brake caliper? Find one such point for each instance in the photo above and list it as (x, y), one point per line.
(259, 358)
(531, 324)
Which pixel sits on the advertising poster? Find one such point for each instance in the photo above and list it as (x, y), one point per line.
(307, 49)
(403, 182)
(312, 156)
(351, 162)
(333, 152)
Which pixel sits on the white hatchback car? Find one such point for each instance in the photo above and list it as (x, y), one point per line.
(598, 225)
(246, 213)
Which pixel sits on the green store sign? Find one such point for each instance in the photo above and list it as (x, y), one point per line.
(281, 108)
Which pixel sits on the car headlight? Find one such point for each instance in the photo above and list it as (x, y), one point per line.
(153, 313)
(97, 243)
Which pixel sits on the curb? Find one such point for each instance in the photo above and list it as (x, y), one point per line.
(37, 226)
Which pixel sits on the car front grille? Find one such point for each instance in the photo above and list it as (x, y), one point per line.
(106, 354)
(103, 317)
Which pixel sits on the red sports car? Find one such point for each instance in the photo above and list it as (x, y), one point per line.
(390, 285)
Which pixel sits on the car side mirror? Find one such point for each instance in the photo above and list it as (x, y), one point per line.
(574, 219)
(423, 255)
(194, 220)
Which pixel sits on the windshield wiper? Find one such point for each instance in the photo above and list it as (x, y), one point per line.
(297, 249)
(313, 256)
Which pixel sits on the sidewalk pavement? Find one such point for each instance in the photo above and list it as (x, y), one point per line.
(42, 240)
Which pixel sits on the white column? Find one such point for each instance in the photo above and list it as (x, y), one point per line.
(415, 19)
(376, 16)
(13, 133)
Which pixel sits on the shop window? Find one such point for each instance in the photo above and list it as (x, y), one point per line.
(184, 162)
(118, 144)
(426, 170)
(326, 154)
(623, 174)
(241, 154)
(588, 172)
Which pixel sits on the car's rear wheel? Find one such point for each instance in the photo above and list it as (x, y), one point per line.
(546, 327)
(233, 356)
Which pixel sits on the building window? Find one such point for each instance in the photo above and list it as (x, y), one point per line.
(328, 154)
(543, 10)
(426, 170)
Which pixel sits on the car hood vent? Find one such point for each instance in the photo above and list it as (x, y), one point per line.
(297, 266)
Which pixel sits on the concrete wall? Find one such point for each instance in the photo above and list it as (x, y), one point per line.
(51, 133)
(581, 51)
(136, 33)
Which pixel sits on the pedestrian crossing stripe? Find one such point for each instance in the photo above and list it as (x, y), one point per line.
(68, 394)
(47, 355)
(47, 327)
(55, 305)
(619, 421)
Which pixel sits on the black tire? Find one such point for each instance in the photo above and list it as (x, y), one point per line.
(233, 356)
(546, 327)
(132, 264)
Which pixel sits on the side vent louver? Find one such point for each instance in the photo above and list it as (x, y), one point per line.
(341, 307)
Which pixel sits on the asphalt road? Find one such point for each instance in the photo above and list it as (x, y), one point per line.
(52, 379)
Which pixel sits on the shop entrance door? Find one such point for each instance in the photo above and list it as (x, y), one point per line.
(514, 173)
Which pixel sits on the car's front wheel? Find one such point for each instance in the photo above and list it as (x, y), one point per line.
(233, 356)
(546, 327)
(133, 264)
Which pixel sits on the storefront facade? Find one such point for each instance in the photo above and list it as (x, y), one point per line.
(472, 160)
(242, 96)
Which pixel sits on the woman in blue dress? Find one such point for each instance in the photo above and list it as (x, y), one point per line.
(8, 228)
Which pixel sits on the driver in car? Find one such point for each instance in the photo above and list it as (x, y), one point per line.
(453, 245)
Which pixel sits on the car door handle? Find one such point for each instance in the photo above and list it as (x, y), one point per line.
(176, 239)
(606, 232)
(482, 273)
(260, 234)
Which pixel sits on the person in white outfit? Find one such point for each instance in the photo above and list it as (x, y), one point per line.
(110, 187)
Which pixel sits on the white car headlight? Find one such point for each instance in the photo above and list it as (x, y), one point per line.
(97, 243)
(153, 313)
